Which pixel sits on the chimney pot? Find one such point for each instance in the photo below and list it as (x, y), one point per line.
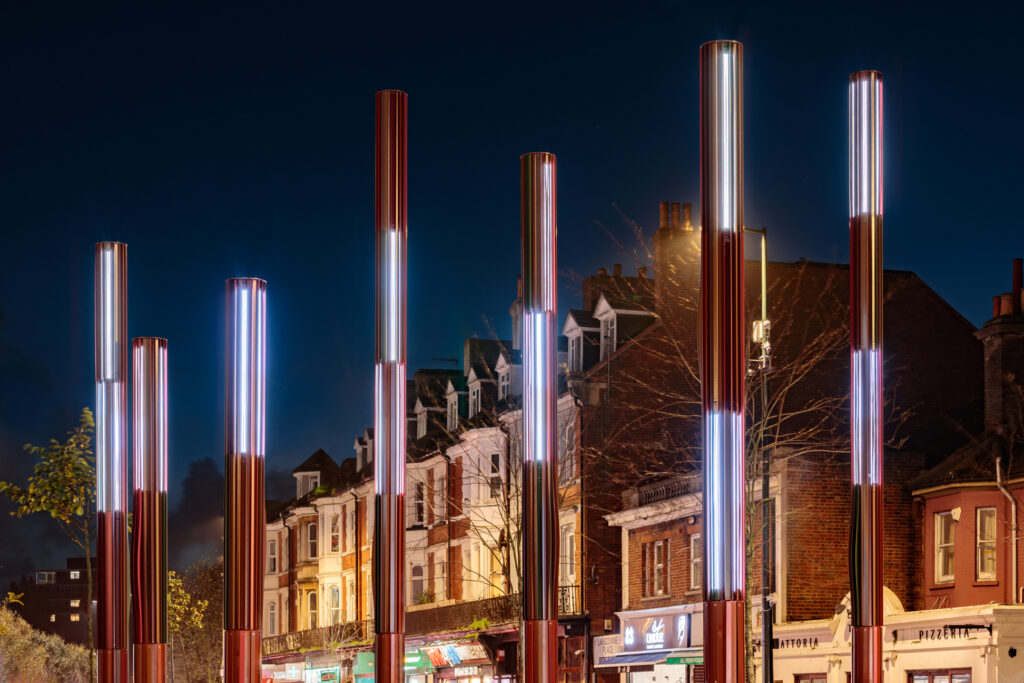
(602, 271)
(1018, 283)
(663, 215)
(641, 272)
(674, 214)
(687, 216)
(617, 269)
(995, 306)
(1005, 303)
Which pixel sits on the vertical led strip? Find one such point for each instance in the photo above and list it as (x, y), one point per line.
(244, 444)
(866, 373)
(391, 205)
(722, 365)
(149, 536)
(540, 417)
(111, 461)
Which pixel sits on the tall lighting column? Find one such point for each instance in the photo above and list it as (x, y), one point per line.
(722, 358)
(149, 538)
(866, 373)
(111, 462)
(391, 204)
(540, 418)
(244, 450)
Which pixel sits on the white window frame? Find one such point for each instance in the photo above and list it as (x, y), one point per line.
(272, 556)
(312, 539)
(421, 425)
(453, 412)
(419, 503)
(413, 593)
(695, 561)
(335, 605)
(504, 383)
(272, 617)
(350, 598)
(350, 528)
(335, 539)
(312, 611)
(982, 543)
(567, 555)
(494, 477)
(474, 400)
(74, 575)
(942, 548)
(607, 336)
(441, 498)
(576, 353)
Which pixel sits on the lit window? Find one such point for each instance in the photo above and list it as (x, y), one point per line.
(74, 575)
(694, 561)
(944, 537)
(312, 538)
(272, 557)
(335, 533)
(76, 617)
(655, 568)
(335, 605)
(312, 609)
(985, 542)
(53, 618)
(75, 603)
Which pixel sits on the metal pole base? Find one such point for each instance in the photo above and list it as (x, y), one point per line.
(150, 662)
(867, 654)
(540, 647)
(723, 642)
(242, 656)
(113, 666)
(389, 658)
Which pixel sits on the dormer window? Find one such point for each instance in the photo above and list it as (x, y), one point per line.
(367, 455)
(607, 336)
(307, 482)
(421, 425)
(504, 383)
(453, 412)
(474, 401)
(576, 353)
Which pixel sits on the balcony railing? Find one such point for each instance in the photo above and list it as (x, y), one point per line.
(324, 638)
(652, 493)
(569, 602)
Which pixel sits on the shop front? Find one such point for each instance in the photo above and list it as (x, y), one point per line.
(463, 662)
(663, 645)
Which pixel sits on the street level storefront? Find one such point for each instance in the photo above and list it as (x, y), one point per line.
(465, 662)
(664, 644)
(983, 644)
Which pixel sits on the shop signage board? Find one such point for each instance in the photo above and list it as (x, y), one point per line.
(363, 664)
(696, 660)
(455, 654)
(942, 632)
(656, 632)
(416, 662)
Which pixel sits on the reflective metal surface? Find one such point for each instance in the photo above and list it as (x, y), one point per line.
(866, 424)
(149, 534)
(149, 662)
(540, 416)
(111, 460)
(391, 201)
(244, 444)
(722, 355)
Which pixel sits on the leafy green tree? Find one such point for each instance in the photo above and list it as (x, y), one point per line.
(63, 484)
(31, 656)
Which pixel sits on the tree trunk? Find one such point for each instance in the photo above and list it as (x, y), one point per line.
(88, 601)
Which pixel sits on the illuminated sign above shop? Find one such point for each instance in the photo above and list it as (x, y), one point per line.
(656, 632)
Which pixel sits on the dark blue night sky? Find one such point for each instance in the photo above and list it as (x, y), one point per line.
(222, 142)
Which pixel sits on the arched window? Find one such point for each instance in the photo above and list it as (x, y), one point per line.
(312, 540)
(312, 609)
(272, 618)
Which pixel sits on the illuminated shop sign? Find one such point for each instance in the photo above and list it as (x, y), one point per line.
(453, 655)
(656, 632)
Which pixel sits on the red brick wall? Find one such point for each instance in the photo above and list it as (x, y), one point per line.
(677, 532)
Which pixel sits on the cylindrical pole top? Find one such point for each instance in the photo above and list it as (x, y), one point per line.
(540, 227)
(721, 89)
(245, 398)
(390, 194)
(111, 311)
(149, 394)
(866, 144)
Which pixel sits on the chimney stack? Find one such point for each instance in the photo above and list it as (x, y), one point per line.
(1018, 284)
(1003, 341)
(674, 215)
(687, 216)
(602, 271)
(663, 215)
(617, 269)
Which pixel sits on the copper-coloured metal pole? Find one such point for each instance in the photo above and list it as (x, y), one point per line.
(722, 364)
(111, 461)
(390, 194)
(540, 418)
(149, 536)
(244, 443)
(866, 373)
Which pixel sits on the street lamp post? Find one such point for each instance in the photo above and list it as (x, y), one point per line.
(111, 461)
(244, 450)
(722, 358)
(540, 418)
(391, 204)
(866, 373)
(149, 538)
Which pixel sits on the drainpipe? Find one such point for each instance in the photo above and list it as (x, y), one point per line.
(1013, 526)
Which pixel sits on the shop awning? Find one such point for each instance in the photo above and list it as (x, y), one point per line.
(634, 658)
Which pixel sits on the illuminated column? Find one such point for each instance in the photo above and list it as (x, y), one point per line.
(244, 441)
(866, 373)
(111, 462)
(722, 364)
(389, 398)
(149, 534)
(540, 419)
